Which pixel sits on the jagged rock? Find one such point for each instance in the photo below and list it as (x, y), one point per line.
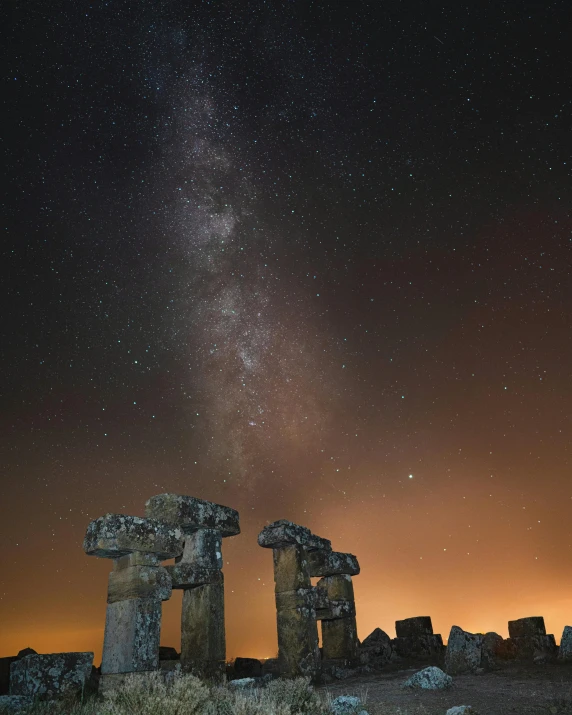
(346, 705)
(565, 650)
(461, 710)
(430, 678)
(166, 652)
(51, 674)
(247, 668)
(463, 654)
(5, 664)
(376, 649)
(283, 533)
(15, 703)
(114, 536)
(191, 514)
(527, 627)
(330, 563)
(414, 627)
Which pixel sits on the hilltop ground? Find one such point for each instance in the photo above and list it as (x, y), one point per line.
(515, 689)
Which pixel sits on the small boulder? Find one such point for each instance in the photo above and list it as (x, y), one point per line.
(431, 678)
(242, 683)
(347, 705)
(247, 668)
(565, 651)
(461, 710)
(463, 654)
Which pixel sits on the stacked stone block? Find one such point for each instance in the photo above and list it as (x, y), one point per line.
(198, 572)
(300, 555)
(137, 586)
(529, 639)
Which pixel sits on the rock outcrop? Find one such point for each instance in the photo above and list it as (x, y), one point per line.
(464, 649)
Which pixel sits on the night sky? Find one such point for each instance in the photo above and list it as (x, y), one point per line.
(311, 260)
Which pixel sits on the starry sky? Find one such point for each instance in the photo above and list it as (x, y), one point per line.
(307, 259)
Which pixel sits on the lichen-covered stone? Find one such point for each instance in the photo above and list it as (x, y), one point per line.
(283, 533)
(137, 558)
(337, 588)
(414, 627)
(461, 710)
(5, 664)
(185, 575)
(330, 563)
(51, 674)
(203, 549)
(565, 650)
(431, 678)
(346, 705)
(526, 627)
(376, 650)
(203, 644)
(290, 568)
(339, 639)
(139, 582)
(463, 654)
(132, 636)
(335, 609)
(114, 536)
(301, 598)
(191, 514)
(539, 648)
(15, 703)
(298, 653)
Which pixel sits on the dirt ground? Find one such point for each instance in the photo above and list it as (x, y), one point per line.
(514, 689)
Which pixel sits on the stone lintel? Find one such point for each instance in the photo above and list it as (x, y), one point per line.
(185, 575)
(114, 536)
(139, 582)
(283, 533)
(191, 514)
(203, 549)
(414, 627)
(331, 563)
(526, 627)
(337, 588)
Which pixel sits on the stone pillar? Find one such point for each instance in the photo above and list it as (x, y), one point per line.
(137, 586)
(298, 652)
(336, 605)
(198, 572)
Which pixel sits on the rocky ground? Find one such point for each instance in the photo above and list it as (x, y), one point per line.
(513, 689)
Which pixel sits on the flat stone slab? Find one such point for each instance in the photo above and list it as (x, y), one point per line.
(50, 674)
(191, 514)
(114, 536)
(285, 533)
(332, 563)
(526, 627)
(413, 627)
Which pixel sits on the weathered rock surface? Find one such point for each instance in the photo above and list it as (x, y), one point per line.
(185, 575)
(419, 647)
(527, 627)
(330, 563)
(376, 650)
(463, 654)
(565, 650)
(51, 674)
(430, 678)
(283, 533)
(191, 514)
(203, 643)
(139, 582)
(414, 627)
(15, 703)
(492, 650)
(242, 683)
(132, 636)
(461, 710)
(203, 549)
(5, 664)
(339, 639)
(114, 536)
(247, 668)
(346, 705)
(290, 568)
(337, 588)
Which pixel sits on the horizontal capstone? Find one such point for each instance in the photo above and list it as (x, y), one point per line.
(116, 535)
(191, 514)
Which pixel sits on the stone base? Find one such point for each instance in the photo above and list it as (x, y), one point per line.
(132, 636)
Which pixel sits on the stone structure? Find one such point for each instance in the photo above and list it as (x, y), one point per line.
(416, 640)
(300, 555)
(376, 650)
(464, 651)
(565, 650)
(50, 675)
(528, 638)
(137, 586)
(198, 572)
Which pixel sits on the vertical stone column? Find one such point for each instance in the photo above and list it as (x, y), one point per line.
(336, 604)
(137, 586)
(198, 572)
(298, 652)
